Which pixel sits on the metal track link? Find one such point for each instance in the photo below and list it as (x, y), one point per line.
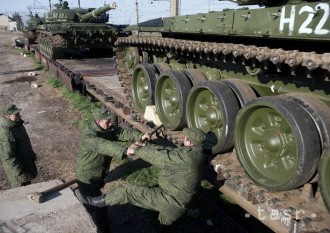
(219, 51)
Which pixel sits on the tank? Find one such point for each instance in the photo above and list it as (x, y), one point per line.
(255, 80)
(67, 29)
(29, 32)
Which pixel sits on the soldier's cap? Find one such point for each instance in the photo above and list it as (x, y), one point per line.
(196, 136)
(10, 109)
(101, 114)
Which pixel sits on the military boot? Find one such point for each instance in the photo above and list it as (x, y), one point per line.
(93, 201)
(96, 201)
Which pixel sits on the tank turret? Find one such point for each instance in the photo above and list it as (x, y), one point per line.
(29, 32)
(68, 28)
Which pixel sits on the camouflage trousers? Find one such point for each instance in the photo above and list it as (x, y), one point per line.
(153, 198)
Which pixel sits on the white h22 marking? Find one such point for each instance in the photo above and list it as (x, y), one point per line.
(321, 8)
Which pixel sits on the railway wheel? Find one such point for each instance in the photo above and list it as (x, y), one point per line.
(212, 107)
(171, 91)
(277, 143)
(324, 177)
(131, 58)
(143, 86)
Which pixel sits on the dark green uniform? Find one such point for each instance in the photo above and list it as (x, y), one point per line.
(16, 153)
(179, 180)
(96, 149)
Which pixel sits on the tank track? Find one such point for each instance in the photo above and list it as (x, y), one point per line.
(226, 166)
(209, 50)
(52, 47)
(30, 37)
(253, 57)
(125, 79)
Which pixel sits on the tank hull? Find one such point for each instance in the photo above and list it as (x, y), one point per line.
(256, 77)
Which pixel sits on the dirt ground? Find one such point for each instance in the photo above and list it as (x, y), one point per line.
(49, 118)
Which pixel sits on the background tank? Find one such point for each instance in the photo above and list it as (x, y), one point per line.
(65, 29)
(256, 80)
(29, 31)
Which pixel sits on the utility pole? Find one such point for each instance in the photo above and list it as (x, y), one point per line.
(50, 5)
(137, 11)
(174, 8)
(78, 3)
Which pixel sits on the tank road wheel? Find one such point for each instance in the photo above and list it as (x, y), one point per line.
(195, 76)
(212, 107)
(131, 58)
(171, 92)
(324, 177)
(242, 90)
(143, 85)
(277, 143)
(320, 113)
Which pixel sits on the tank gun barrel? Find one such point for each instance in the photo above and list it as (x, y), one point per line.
(98, 11)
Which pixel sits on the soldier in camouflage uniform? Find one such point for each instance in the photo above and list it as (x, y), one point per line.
(101, 140)
(16, 153)
(179, 180)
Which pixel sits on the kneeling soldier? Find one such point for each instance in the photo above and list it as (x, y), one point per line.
(179, 179)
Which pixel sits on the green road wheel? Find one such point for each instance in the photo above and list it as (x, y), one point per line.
(212, 107)
(242, 90)
(319, 111)
(195, 76)
(131, 58)
(143, 86)
(277, 143)
(161, 67)
(171, 92)
(324, 177)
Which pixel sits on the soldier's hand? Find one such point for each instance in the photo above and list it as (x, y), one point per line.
(139, 144)
(146, 137)
(130, 151)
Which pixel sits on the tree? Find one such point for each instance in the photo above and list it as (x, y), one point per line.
(18, 18)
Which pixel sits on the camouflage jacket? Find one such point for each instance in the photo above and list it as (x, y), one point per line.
(181, 169)
(96, 145)
(16, 153)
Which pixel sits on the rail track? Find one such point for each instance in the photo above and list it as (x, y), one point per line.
(298, 210)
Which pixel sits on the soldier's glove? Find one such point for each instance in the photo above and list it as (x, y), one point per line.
(25, 177)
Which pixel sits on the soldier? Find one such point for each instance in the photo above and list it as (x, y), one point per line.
(100, 141)
(16, 153)
(179, 179)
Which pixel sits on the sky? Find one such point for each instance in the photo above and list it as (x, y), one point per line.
(126, 10)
